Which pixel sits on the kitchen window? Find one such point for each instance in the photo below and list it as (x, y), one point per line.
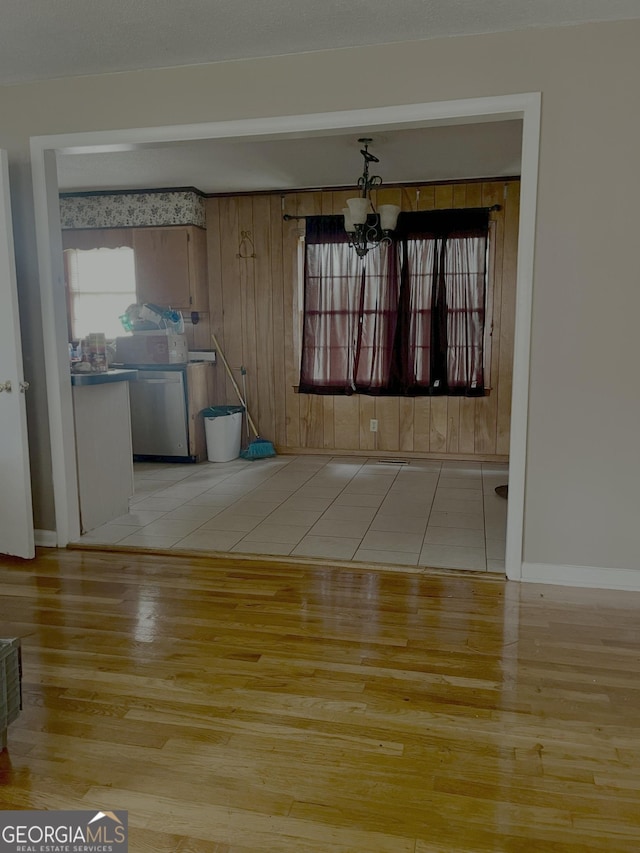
(408, 321)
(101, 284)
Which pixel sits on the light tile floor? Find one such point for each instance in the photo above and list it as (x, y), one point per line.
(425, 513)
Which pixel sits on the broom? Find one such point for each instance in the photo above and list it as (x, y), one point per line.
(259, 448)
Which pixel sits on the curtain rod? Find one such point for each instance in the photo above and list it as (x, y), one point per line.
(288, 216)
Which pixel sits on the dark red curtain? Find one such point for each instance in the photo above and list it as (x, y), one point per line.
(378, 319)
(406, 320)
(333, 286)
(465, 262)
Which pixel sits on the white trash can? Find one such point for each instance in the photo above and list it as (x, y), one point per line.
(223, 430)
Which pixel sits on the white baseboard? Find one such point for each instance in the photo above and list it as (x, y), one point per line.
(585, 576)
(45, 538)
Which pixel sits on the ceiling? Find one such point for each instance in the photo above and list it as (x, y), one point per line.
(75, 37)
(489, 149)
(43, 39)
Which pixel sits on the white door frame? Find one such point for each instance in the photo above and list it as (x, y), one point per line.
(524, 106)
(16, 512)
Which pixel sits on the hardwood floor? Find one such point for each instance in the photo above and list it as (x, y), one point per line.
(243, 706)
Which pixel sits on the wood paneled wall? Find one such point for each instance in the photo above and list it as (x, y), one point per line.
(253, 304)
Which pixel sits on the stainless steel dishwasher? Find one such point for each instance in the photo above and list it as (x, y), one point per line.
(159, 424)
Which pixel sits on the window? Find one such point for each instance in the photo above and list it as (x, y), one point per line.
(101, 286)
(408, 321)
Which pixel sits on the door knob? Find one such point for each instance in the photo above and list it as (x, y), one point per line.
(5, 386)
(24, 386)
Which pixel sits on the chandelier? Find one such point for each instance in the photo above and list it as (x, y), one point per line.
(365, 227)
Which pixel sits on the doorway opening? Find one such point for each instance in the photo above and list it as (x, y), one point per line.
(525, 107)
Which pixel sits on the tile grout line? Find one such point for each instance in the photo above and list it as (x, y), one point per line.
(243, 497)
(433, 500)
(363, 466)
(282, 468)
(362, 538)
(336, 498)
(295, 545)
(185, 502)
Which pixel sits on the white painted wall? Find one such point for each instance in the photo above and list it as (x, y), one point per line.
(584, 458)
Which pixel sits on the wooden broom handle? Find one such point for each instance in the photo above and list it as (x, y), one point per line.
(234, 383)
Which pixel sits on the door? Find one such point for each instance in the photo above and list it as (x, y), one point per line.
(16, 514)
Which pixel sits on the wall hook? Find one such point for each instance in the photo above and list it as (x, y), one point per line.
(246, 249)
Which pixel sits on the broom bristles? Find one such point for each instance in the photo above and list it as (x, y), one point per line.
(259, 448)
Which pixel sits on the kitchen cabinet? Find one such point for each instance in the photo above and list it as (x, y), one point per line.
(171, 267)
(171, 261)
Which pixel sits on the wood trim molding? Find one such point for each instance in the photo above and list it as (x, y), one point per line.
(400, 455)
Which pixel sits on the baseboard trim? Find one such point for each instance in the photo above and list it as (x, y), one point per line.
(45, 538)
(412, 455)
(584, 576)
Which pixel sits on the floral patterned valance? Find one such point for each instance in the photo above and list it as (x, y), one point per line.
(122, 210)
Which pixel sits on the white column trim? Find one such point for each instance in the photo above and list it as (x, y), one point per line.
(522, 340)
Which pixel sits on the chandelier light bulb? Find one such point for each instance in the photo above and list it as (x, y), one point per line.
(359, 209)
(388, 216)
(349, 225)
